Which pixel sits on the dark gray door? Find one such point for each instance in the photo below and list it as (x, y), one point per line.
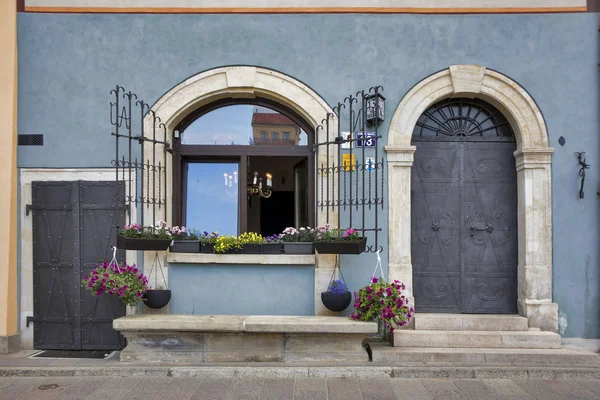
(74, 227)
(464, 211)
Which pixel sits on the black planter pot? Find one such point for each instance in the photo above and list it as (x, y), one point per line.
(298, 248)
(336, 302)
(185, 246)
(156, 298)
(126, 243)
(341, 247)
(207, 248)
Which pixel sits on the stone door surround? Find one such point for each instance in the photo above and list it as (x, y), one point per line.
(533, 163)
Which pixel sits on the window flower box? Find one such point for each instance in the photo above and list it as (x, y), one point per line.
(185, 246)
(207, 248)
(272, 248)
(298, 248)
(127, 243)
(251, 249)
(341, 247)
(338, 241)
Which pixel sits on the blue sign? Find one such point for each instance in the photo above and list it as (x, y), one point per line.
(366, 139)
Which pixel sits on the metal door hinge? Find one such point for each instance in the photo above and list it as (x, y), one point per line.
(46, 207)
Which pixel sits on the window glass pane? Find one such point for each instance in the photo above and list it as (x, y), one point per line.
(212, 197)
(243, 124)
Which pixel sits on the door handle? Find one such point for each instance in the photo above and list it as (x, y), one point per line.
(488, 228)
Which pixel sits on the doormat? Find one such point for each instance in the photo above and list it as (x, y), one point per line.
(99, 354)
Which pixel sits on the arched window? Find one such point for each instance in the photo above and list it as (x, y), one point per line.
(244, 167)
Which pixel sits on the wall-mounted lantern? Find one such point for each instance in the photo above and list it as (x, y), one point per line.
(375, 109)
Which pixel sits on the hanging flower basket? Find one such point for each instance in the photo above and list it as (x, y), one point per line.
(156, 298)
(341, 247)
(337, 297)
(128, 243)
(336, 301)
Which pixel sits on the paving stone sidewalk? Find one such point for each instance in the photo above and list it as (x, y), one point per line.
(101, 388)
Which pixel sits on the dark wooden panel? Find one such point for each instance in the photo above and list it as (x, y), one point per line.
(99, 221)
(489, 272)
(56, 267)
(435, 227)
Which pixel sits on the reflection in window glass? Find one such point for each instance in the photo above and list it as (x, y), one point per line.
(212, 197)
(275, 136)
(243, 124)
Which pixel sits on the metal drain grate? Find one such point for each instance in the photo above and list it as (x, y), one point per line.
(100, 354)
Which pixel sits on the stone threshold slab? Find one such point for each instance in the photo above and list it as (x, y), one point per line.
(470, 322)
(451, 372)
(237, 323)
(477, 339)
(566, 355)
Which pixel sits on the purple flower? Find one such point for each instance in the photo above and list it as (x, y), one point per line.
(374, 280)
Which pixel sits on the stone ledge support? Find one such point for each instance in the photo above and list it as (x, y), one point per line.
(225, 338)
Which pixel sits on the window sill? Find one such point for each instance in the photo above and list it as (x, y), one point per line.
(248, 259)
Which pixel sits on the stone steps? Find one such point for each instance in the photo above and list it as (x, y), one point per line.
(470, 322)
(566, 355)
(477, 339)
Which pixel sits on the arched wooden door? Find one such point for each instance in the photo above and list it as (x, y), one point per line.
(464, 210)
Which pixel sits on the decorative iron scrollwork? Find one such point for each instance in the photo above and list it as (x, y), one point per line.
(584, 166)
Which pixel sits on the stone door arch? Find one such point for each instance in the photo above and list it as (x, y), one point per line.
(533, 165)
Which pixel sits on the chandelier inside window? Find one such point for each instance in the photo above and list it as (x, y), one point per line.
(256, 186)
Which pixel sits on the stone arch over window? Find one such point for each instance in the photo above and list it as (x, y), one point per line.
(245, 83)
(532, 162)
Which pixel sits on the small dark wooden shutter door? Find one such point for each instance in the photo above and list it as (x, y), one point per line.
(74, 227)
(98, 224)
(56, 306)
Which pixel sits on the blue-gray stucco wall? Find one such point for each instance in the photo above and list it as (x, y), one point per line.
(242, 289)
(69, 63)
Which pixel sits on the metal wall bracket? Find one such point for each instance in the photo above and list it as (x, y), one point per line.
(28, 320)
(584, 166)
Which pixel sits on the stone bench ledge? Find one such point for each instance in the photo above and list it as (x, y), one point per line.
(237, 323)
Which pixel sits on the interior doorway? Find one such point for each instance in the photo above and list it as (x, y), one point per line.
(286, 206)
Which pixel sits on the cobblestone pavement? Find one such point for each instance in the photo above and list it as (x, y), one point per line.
(100, 388)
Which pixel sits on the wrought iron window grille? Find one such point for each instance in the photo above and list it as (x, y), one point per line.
(145, 175)
(358, 173)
